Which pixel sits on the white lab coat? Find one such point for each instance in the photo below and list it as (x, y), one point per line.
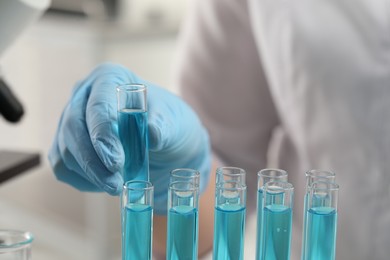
(318, 72)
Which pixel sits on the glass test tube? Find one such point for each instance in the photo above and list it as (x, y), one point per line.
(15, 245)
(229, 221)
(277, 214)
(264, 176)
(185, 175)
(133, 130)
(182, 240)
(311, 177)
(230, 174)
(137, 215)
(321, 223)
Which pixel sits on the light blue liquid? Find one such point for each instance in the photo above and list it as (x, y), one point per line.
(137, 240)
(182, 243)
(272, 198)
(321, 233)
(259, 235)
(133, 133)
(229, 228)
(277, 232)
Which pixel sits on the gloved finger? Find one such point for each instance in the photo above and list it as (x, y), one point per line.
(74, 138)
(66, 175)
(101, 114)
(64, 152)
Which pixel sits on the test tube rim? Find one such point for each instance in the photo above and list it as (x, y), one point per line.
(131, 87)
(220, 186)
(148, 187)
(335, 186)
(313, 172)
(220, 169)
(193, 188)
(29, 238)
(283, 172)
(197, 173)
(287, 186)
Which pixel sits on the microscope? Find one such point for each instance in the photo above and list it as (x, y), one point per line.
(15, 17)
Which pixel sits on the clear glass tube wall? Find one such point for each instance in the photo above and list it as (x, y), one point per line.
(318, 175)
(311, 177)
(133, 130)
(264, 176)
(182, 233)
(230, 174)
(321, 222)
(277, 220)
(15, 245)
(185, 175)
(229, 220)
(137, 224)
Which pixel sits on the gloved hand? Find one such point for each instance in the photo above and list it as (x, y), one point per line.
(87, 153)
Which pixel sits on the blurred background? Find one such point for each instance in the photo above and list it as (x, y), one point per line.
(42, 66)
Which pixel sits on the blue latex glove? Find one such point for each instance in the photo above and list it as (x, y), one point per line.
(87, 153)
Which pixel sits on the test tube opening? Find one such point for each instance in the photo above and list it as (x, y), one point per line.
(183, 193)
(231, 193)
(278, 193)
(270, 174)
(16, 244)
(230, 174)
(323, 194)
(132, 97)
(319, 175)
(138, 191)
(185, 174)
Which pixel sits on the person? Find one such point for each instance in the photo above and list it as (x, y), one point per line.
(304, 83)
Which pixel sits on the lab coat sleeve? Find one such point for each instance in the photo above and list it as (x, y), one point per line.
(220, 75)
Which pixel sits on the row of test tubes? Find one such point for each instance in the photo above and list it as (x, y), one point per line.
(274, 215)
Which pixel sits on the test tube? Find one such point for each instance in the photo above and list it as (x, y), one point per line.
(229, 221)
(133, 130)
(137, 214)
(230, 174)
(264, 176)
(182, 240)
(278, 208)
(15, 245)
(321, 223)
(311, 177)
(185, 175)
(318, 175)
